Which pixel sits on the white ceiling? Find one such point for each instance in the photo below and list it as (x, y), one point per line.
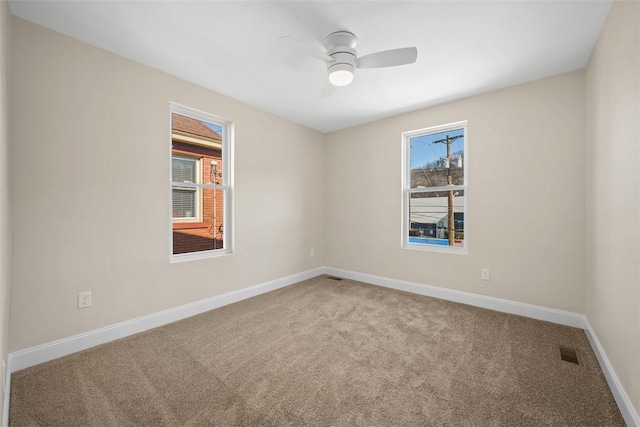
(464, 48)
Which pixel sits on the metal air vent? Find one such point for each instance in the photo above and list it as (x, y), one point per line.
(569, 355)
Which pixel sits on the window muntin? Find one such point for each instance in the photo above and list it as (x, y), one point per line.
(435, 188)
(200, 184)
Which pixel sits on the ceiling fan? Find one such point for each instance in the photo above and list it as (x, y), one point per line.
(342, 59)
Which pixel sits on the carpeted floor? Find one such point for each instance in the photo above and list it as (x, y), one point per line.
(326, 353)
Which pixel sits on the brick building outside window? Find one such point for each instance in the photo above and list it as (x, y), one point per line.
(196, 158)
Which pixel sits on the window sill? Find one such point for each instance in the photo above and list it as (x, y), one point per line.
(191, 256)
(458, 250)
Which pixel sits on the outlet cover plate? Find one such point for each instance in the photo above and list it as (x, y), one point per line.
(84, 299)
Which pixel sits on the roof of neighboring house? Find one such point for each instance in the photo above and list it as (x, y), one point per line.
(431, 210)
(193, 126)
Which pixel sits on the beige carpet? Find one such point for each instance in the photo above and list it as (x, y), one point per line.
(326, 353)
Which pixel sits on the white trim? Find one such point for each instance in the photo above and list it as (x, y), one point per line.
(430, 247)
(194, 113)
(187, 184)
(422, 189)
(407, 190)
(42, 353)
(32, 356)
(561, 317)
(506, 306)
(7, 397)
(227, 182)
(191, 256)
(45, 352)
(619, 394)
(436, 129)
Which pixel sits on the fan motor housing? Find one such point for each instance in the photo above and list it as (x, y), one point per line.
(341, 46)
(340, 39)
(342, 58)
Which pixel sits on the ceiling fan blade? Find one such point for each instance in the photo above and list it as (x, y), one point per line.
(389, 58)
(306, 48)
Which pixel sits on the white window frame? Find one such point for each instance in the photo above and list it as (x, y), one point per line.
(407, 190)
(197, 210)
(226, 186)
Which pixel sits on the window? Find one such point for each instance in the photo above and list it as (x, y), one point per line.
(435, 188)
(200, 184)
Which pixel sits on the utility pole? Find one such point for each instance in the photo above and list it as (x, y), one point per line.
(452, 230)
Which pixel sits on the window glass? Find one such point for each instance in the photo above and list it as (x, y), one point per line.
(183, 170)
(435, 185)
(184, 203)
(430, 164)
(199, 184)
(429, 218)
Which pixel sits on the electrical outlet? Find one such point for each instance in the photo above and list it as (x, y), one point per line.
(84, 299)
(312, 253)
(485, 274)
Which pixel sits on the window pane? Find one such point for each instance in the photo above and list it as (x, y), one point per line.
(197, 138)
(205, 235)
(432, 214)
(437, 159)
(183, 170)
(184, 203)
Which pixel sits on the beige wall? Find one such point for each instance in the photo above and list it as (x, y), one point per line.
(90, 176)
(5, 227)
(613, 191)
(89, 193)
(525, 219)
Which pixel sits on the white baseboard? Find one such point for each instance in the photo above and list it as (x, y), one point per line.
(32, 356)
(43, 353)
(7, 390)
(533, 311)
(506, 306)
(629, 413)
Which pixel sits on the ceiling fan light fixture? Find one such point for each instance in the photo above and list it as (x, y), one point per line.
(341, 57)
(341, 74)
